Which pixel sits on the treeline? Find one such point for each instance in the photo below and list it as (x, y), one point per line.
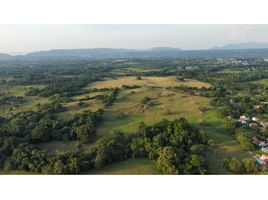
(127, 87)
(63, 86)
(241, 166)
(36, 127)
(8, 100)
(25, 157)
(46, 71)
(176, 146)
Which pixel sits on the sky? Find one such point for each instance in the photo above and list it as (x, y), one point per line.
(20, 39)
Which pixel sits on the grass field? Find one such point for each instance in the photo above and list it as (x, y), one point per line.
(127, 111)
(73, 108)
(31, 103)
(226, 145)
(262, 81)
(147, 81)
(130, 166)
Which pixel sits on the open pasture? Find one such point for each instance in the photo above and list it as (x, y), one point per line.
(261, 81)
(152, 81)
(226, 145)
(31, 101)
(128, 110)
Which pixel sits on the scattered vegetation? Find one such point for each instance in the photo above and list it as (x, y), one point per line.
(179, 116)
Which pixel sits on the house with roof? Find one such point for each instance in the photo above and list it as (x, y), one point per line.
(264, 149)
(255, 119)
(258, 143)
(262, 159)
(255, 142)
(244, 118)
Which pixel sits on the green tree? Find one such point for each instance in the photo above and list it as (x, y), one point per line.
(58, 167)
(230, 125)
(138, 148)
(85, 132)
(114, 147)
(245, 144)
(197, 148)
(167, 162)
(195, 165)
(236, 166)
(41, 133)
(250, 165)
(145, 100)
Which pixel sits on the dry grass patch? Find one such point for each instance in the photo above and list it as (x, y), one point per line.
(128, 110)
(148, 81)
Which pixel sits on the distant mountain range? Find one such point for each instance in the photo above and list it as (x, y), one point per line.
(247, 45)
(99, 53)
(227, 51)
(4, 56)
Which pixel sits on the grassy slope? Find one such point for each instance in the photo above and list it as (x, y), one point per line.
(169, 105)
(127, 111)
(31, 103)
(226, 144)
(149, 81)
(180, 105)
(262, 81)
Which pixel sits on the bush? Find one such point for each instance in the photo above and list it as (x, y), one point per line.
(236, 166)
(145, 100)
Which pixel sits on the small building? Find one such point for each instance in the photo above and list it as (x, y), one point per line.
(264, 149)
(262, 159)
(264, 123)
(255, 119)
(256, 141)
(263, 144)
(257, 106)
(244, 122)
(244, 118)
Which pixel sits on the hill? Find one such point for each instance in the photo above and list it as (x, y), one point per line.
(5, 56)
(229, 51)
(247, 45)
(106, 53)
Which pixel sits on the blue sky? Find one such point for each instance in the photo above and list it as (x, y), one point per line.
(28, 38)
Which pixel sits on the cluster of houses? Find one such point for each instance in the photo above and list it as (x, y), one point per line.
(252, 122)
(232, 61)
(262, 159)
(261, 144)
